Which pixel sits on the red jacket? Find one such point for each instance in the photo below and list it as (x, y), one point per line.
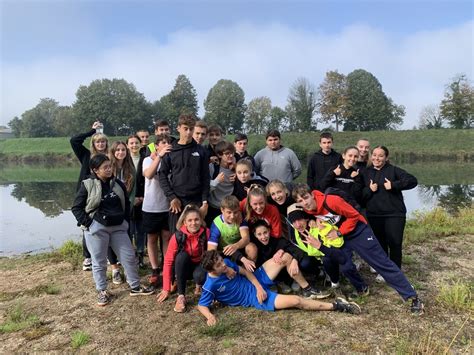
(270, 215)
(341, 207)
(191, 246)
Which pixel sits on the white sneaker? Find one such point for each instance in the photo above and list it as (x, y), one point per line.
(87, 264)
(335, 285)
(372, 270)
(379, 279)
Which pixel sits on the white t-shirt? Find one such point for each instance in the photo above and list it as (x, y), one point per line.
(154, 200)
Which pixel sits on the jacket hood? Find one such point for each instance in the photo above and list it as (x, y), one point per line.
(177, 146)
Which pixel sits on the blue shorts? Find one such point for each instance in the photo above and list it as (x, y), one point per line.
(266, 282)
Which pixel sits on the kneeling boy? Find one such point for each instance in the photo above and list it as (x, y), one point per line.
(252, 289)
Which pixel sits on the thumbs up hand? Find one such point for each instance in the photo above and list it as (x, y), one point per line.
(387, 184)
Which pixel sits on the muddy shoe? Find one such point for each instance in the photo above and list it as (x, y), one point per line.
(357, 294)
(103, 298)
(417, 306)
(117, 277)
(180, 306)
(314, 293)
(341, 305)
(87, 264)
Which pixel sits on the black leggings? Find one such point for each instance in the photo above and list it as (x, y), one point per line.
(389, 232)
(185, 270)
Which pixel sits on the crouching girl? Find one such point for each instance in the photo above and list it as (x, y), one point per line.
(102, 209)
(185, 251)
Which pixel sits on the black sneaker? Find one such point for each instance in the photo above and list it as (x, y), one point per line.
(341, 305)
(103, 298)
(142, 291)
(417, 306)
(358, 294)
(314, 293)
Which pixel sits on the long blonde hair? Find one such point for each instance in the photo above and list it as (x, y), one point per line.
(97, 137)
(128, 169)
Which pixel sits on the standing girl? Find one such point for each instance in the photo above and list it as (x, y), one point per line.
(102, 210)
(383, 196)
(99, 144)
(185, 251)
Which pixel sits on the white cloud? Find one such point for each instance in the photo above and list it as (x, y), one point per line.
(263, 60)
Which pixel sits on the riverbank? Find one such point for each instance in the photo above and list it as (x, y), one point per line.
(405, 146)
(48, 304)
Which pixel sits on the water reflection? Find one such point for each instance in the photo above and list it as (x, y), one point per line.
(52, 198)
(450, 197)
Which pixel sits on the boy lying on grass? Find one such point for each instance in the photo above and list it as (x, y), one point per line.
(248, 289)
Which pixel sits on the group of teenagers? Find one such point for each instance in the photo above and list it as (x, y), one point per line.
(236, 224)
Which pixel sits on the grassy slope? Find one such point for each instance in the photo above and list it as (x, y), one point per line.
(435, 144)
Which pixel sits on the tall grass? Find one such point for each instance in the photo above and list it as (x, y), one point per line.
(17, 319)
(457, 296)
(79, 339)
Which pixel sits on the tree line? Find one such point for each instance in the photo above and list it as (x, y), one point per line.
(353, 102)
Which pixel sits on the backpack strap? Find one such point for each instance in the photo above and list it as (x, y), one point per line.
(180, 239)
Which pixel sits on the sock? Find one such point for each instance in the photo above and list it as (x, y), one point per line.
(307, 288)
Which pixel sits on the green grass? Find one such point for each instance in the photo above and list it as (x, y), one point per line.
(457, 296)
(227, 327)
(79, 339)
(38, 173)
(438, 223)
(71, 252)
(17, 319)
(405, 146)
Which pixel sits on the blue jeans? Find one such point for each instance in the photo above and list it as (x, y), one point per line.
(98, 239)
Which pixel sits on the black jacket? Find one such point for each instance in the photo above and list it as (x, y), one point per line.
(319, 165)
(239, 188)
(83, 154)
(386, 203)
(351, 185)
(110, 210)
(266, 252)
(184, 172)
(247, 156)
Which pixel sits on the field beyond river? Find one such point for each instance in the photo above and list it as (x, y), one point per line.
(405, 146)
(48, 304)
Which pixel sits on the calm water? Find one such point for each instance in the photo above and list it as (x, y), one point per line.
(35, 215)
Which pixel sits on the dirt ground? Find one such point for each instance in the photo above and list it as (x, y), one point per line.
(140, 325)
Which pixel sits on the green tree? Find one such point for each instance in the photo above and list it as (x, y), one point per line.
(181, 99)
(225, 105)
(278, 119)
(332, 98)
(65, 123)
(38, 121)
(257, 116)
(368, 108)
(116, 103)
(430, 117)
(457, 107)
(301, 106)
(15, 125)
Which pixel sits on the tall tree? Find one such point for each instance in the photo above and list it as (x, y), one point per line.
(38, 121)
(457, 107)
(368, 108)
(181, 99)
(15, 125)
(257, 116)
(332, 98)
(301, 105)
(116, 103)
(278, 119)
(64, 122)
(225, 105)
(430, 117)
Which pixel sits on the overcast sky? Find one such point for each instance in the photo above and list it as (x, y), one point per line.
(50, 48)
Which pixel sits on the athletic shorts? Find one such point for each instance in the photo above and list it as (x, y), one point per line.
(155, 222)
(266, 282)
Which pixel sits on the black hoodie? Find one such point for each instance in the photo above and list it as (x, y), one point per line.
(319, 165)
(184, 172)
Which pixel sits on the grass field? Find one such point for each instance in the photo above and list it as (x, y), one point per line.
(405, 146)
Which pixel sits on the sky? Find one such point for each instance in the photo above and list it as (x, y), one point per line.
(50, 48)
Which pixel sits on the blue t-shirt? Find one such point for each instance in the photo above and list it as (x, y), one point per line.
(238, 291)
